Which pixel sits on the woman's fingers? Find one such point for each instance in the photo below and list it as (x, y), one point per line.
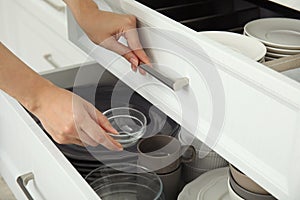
(134, 44)
(134, 53)
(79, 142)
(93, 130)
(112, 44)
(133, 41)
(104, 123)
(86, 139)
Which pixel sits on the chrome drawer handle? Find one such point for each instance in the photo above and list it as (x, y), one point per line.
(56, 7)
(23, 181)
(175, 85)
(49, 59)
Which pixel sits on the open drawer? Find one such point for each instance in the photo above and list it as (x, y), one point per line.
(245, 111)
(46, 167)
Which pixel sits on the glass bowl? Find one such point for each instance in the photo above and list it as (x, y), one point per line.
(122, 181)
(129, 122)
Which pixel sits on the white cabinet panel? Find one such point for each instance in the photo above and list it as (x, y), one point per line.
(36, 41)
(7, 21)
(33, 40)
(25, 148)
(51, 13)
(294, 4)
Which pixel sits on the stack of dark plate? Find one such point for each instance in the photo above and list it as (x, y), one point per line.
(85, 159)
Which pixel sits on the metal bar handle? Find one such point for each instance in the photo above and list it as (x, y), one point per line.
(49, 59)
(56, 7)
(23, 181)
(175, 85)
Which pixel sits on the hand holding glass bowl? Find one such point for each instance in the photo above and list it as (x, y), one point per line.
(130, 124)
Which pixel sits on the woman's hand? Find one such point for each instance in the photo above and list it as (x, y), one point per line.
(105, 28)
(65, 116)
(69, 119)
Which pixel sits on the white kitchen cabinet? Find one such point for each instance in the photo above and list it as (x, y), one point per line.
(7, 21)
(38, 43)
(259, 134)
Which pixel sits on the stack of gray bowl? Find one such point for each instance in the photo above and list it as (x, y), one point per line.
(241, 187)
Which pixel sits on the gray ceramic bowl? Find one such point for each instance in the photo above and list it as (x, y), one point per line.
(245, 194)
(206, 159)
(245, 182)
(190, 173)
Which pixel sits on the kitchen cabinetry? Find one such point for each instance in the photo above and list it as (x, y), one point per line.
(259, 134)
(36, 32)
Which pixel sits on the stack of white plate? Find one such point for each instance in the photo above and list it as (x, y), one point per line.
(247, 46)
(281, 36)
(209, 186)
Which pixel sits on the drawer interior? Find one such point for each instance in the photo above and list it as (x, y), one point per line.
(227, 15)
(212, 15)
(85, 160)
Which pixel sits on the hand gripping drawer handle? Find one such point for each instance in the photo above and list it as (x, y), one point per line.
(56, 7)
(23, 181)
(175, 84)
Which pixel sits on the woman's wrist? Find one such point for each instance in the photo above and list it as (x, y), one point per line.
(82, 9)
(38, 96)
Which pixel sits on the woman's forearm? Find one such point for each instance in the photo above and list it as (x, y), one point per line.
(81, 8)
(64, 115)
(19, 81)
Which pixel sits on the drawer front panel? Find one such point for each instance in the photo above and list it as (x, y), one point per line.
(30, 38)
(253, 110)
(25, 148)
(46, 12)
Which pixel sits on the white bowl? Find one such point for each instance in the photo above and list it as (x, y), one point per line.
(245, 45)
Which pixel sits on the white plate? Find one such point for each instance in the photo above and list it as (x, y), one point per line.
(282, 51)
(210, 186)
(269, 58)
(276, 32)
(248, 46)
(276, 55)
(293, 74)
(262, 60)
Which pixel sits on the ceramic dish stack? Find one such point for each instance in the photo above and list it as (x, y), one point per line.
(247, 46)
(281, 36)
(242, 187)
(221, 184)
(211, 185)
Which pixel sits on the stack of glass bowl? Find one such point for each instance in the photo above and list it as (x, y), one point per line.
(125, 181)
